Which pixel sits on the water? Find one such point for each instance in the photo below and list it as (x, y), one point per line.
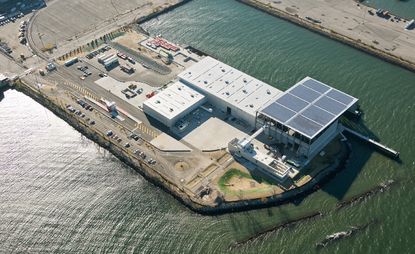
(404, 8)
(60, 192)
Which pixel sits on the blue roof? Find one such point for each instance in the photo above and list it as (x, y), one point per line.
(309, 107)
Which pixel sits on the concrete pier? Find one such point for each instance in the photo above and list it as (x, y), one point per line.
(351, 23)
(386, 150)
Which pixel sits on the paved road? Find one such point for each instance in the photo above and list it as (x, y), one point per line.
(162, 69)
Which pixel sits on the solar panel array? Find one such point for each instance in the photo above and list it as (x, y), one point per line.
(309, 107)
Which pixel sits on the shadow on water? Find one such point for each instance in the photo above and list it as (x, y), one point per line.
(360, 154)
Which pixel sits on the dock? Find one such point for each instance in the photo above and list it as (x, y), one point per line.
(382, 148)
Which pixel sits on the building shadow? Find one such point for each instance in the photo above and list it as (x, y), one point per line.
(360, 154)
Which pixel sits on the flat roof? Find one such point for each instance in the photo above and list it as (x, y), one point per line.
(174, 100)
(229, 84)
(309, 107)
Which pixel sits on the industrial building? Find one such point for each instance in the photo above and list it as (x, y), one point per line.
(173, 103)
(305, 117)
(228, 89)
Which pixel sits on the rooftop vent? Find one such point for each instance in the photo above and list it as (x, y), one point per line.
(245, 80)
(227, 82)
(223, 70)
(227, 93)
(251, 105)
(158, 102)
(205, 82)
(268, 91)
(244, 91)
(171, 110)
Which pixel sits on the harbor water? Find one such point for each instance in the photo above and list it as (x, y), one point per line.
(59, 192)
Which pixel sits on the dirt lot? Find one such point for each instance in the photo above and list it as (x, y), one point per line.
(68, 23)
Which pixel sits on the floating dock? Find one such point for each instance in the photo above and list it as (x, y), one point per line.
(386, 150)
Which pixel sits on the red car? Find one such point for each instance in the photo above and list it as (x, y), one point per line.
(149, 95)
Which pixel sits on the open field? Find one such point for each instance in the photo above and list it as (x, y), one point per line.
(69, 23)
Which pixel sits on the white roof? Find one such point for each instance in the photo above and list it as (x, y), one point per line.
(174, 100)
(229, 84)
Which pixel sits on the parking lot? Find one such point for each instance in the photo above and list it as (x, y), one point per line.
(137, 90)
(141, 72)
(130, 140)
(11, 38)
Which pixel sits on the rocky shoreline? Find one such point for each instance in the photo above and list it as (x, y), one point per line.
(157, 179)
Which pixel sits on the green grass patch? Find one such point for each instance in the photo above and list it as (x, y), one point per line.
(224, 181)
(233, 172)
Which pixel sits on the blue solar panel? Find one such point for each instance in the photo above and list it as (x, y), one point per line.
(339, 96)
(317, 86)
(330, 105)
(292, 102)
(304, 125)
(278, 112)
(305, 93)
(309, 107)
(318, 115)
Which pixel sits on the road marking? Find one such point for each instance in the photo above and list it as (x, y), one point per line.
(143, 128)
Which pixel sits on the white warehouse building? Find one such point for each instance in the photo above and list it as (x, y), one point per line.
(173, 103)
(229, 89)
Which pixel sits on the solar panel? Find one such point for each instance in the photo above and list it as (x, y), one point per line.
(339, 96)
(292, 102)
(316, 85)
(278, 112)
(309, 107)
(318, 115)
(305, 93)
(330, 105)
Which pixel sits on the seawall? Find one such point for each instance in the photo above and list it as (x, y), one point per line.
(180, 194)
(356, 43)
(163, 11)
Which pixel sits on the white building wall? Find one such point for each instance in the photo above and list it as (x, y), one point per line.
(169, 122)
(324, 139)
(156, 115)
